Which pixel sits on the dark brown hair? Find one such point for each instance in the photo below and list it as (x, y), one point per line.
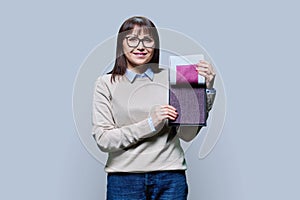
(147, 26)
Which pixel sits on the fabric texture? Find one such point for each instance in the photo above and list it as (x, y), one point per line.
(190, 103)
(164, 185)
(186, 74)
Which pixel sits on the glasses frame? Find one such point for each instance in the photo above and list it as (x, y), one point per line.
(140, 40)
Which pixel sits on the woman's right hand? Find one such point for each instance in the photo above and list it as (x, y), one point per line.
(162, 112)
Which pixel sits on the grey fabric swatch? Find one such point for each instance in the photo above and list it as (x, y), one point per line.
(190, 102)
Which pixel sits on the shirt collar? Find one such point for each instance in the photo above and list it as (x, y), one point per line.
(132, 75)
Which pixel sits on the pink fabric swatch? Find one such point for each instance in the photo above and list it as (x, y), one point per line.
(186, 74)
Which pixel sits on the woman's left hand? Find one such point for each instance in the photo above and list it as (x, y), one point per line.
(205, 69)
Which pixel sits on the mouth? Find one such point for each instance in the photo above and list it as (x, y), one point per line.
(139, 53)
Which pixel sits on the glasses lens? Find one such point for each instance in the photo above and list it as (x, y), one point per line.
(132, 41)
(148, 42)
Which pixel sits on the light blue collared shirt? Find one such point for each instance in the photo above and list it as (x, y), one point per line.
(131, 75)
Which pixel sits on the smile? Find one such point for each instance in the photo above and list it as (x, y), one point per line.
(140, 54)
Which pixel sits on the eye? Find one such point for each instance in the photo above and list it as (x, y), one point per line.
(147, 39)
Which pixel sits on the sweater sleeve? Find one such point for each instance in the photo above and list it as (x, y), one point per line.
(108, 136)
(188, 133)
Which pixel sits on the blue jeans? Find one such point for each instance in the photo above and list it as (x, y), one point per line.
(163, 185)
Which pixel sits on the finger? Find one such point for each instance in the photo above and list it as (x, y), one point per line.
(169, 107)
(203, 69)
(204, 73)
(205, 65)
(169, 112)
(208, 77)
(208, 71)
(170, 116)
(203, 62)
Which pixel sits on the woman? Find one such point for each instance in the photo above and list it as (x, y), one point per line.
(130, 108)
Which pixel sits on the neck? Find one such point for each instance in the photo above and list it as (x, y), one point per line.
(137, 69)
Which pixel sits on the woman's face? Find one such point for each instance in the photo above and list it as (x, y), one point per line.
(138, 48)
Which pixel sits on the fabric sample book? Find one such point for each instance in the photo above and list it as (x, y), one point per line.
(187, 91)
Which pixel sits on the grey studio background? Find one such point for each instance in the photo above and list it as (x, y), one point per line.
(255, 45)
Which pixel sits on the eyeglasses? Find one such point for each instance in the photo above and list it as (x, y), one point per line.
(134, 41)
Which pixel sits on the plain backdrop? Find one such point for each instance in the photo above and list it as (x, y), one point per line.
(255, 45)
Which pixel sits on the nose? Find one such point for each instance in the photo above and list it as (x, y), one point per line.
(140, 47)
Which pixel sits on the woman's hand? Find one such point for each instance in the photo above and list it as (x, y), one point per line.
(205, 69)
(162, 112)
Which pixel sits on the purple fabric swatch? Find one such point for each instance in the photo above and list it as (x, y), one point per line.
(186, 74)
(190, 104)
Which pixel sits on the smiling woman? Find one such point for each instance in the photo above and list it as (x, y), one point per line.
(130, 111)
(130, 39)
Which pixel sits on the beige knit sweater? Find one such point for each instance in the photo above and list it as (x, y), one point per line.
(120, 125)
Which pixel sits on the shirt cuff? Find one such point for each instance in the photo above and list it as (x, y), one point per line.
(210, 91)
(150, 122)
